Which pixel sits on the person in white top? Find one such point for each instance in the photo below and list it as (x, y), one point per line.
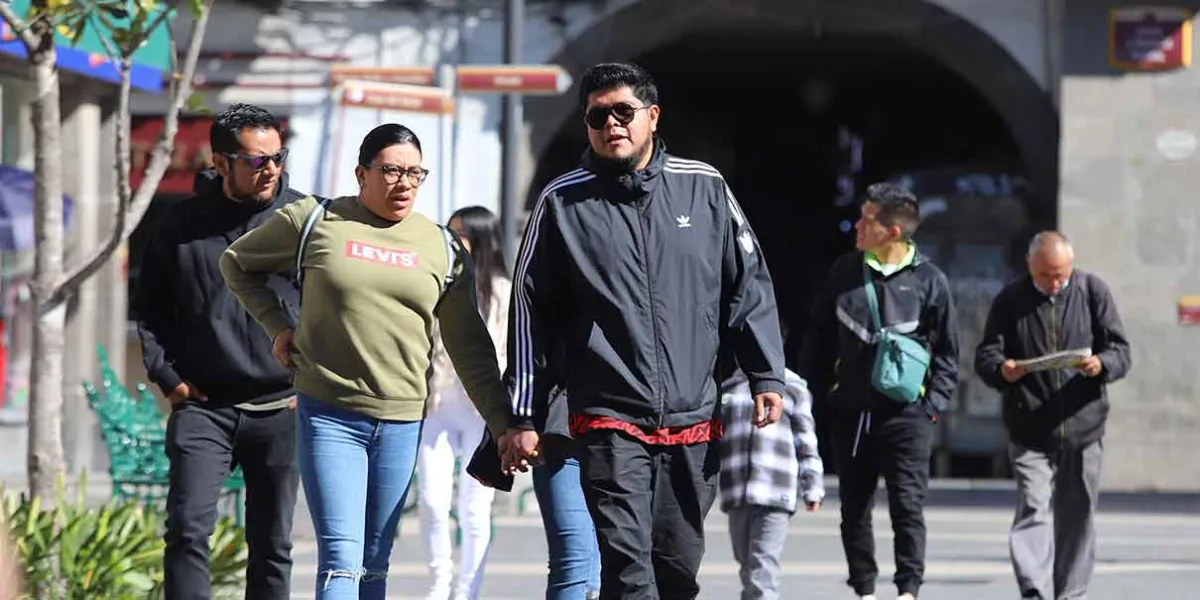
(453, 428)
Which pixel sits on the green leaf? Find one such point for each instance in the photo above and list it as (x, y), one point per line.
(139, 581)
(80, 27)
(195, 104)
(115, 9)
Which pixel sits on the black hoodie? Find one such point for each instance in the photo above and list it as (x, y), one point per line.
(839, 347)
(191, 326)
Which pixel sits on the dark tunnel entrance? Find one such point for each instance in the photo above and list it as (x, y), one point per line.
(800, 126)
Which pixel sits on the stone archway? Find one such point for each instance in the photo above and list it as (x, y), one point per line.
(946, 37)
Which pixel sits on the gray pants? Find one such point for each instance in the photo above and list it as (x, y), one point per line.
(1055, 559)
(758, 534)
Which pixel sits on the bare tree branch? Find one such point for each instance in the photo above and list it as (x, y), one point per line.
(173, 54)
(158, 21)
(18, 26)
(129, 213)
(113, 53)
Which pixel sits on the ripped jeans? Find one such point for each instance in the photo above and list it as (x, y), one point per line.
(356, 471)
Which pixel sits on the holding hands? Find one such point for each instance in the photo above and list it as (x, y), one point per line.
(519, 450)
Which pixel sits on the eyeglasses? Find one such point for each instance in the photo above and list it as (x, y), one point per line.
(259, 163)
(597, 116)
(392, 173)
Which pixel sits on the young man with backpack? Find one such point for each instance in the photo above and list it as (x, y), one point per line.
(882, 350)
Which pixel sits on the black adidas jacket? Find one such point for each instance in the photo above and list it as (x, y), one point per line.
(838, 352)
(1045, 409)
(191, 326)
(631, 284)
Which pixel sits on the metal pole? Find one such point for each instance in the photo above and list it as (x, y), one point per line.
(514, 19)
(446, 205)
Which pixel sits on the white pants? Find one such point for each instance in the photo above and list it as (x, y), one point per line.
(452, 431)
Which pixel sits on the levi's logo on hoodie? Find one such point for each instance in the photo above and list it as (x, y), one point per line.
(402, 259)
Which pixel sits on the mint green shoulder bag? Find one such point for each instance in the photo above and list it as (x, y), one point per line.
(901, 362)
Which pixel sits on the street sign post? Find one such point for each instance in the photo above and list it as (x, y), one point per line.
(514, 81)
(396, 96)
(405, 75)
(527, 80)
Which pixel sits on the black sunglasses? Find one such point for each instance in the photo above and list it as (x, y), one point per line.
(259, 163)
(597, 116)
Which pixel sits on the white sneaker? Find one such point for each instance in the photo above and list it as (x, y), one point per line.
(867, 597)
(438, 591)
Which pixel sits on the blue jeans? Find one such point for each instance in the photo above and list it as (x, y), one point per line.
(356, 471)
(574, 553)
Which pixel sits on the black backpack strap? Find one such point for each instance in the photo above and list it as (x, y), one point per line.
(310, 222)
(453, 246)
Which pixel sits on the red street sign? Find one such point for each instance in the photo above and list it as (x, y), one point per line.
(395, 96)
(407, 75)
(542, 80)
(1149, 38)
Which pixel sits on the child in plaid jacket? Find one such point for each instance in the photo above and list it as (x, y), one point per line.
(765, 475)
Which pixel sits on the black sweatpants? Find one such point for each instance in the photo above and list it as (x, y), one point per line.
(895, 443)
(648, 503)
(204, 444)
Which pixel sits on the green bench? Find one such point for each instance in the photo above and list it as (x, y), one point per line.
(134, 432)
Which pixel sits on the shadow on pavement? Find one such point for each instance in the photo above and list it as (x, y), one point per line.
(1002, 495)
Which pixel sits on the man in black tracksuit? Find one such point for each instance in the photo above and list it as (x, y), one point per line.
(643, 267)
(229, 397)
(1055, 417)
(874, 435)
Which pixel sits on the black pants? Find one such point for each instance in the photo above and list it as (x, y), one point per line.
(648, 503)
(204, 444)
(896, 443)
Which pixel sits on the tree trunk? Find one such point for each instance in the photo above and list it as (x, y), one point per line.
(45, 460)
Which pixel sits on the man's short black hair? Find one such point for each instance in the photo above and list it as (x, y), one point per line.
(898, 207)
(223, 137)
(607, 76)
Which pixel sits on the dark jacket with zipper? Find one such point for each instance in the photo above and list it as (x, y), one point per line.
(628, 286)
(1048, 409)
(191, 326)
(838, 353)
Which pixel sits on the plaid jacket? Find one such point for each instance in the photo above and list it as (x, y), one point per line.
(773, 466)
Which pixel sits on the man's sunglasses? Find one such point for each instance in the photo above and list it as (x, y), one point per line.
(597, 116)
(259, 163)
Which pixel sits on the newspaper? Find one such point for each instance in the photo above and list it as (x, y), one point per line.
(1067, 359)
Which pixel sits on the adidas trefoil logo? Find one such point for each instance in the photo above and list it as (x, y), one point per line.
(684, 221)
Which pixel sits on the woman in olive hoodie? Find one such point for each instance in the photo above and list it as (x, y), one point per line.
(374, 274)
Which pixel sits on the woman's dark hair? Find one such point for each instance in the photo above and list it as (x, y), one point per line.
(384, 136)
(482, 231)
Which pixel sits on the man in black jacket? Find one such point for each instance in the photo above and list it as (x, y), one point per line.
(229, 397)
(1055, 417)
(873, 434)
(642, 267)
